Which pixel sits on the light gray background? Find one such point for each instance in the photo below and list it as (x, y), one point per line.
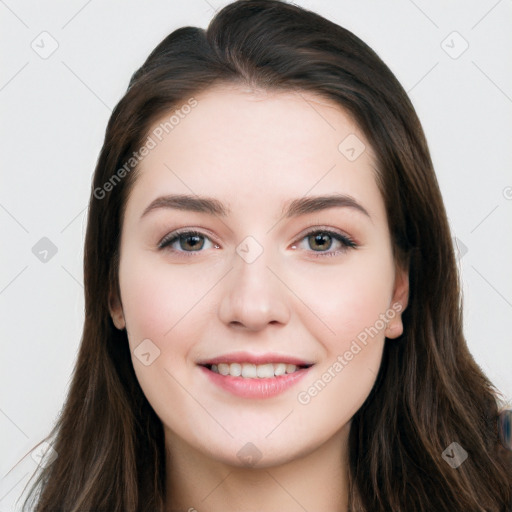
(54, 113)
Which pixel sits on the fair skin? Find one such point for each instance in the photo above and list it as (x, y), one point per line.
(255, 152)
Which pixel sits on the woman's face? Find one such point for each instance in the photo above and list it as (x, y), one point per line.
(274, 276)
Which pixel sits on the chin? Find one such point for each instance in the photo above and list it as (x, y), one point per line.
(259, 454)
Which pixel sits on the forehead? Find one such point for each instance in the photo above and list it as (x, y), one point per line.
(237, 142)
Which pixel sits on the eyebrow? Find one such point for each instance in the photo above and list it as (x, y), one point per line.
(294, 208)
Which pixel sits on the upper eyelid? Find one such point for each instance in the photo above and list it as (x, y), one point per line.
(320, 229)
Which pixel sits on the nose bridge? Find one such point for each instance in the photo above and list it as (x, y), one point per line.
(253, 295)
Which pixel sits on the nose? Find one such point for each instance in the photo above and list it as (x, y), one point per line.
(254, 295)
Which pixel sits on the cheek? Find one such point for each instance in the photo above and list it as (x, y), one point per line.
(353, 304)
(163, 304)
(170, 306)
(328, 401)
(158, 299)
(348, 299)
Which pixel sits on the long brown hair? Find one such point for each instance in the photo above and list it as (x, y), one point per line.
(429, 392)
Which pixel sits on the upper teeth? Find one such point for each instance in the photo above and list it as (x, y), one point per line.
(253, 371)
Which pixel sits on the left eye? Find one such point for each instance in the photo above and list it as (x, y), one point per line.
(324, 239)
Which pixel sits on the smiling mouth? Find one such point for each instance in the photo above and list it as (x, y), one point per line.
(254, 371)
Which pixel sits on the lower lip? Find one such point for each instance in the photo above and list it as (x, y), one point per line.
(256, 388)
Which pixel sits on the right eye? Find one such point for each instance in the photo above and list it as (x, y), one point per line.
(186, 241)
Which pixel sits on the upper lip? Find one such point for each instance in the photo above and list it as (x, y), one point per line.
(246, 357)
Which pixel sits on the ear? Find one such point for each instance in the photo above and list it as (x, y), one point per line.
(399, 302)
(116, 311)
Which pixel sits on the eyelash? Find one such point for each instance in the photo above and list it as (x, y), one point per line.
(346, 241)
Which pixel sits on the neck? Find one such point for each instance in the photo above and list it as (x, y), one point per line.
(316, 481)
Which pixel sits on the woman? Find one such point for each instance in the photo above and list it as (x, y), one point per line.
(273, 317)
